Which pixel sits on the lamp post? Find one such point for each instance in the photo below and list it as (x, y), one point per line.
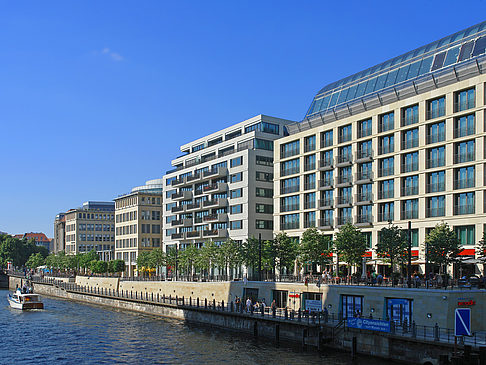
(176, 261)
(409, 265)
(259, 257)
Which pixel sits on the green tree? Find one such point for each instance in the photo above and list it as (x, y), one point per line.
(118, 266)
(207, 257)
(482, 247)
(442, 245)
(392, 245)
(171, 258)
(286, 250)
(98, 267)
(315, 247)
(249, 251)
(86, 259)
(187, 258)
(144, 261)
(350, 244)
(35, 260)
(159, 258)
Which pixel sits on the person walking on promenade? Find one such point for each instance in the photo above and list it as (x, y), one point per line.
(273, 306)
(248, 304)
(238, 303)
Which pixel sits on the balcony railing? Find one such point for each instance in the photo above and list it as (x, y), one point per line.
(309, 166)
(386, 172)
(365, 197)
(364, 219)
(410, 190)
(193, 177)
(176, 182)
(325, 223)
(435, 212)
(344, 159)
(435, 187)
(386, 217)
(326, 163)
(344, 200)
(409, 214)
(464, 157)
(193, 206)
(220, 171)
(193, 234)
(436, 112)
(464, 105)
(364, 175)
(289, 207)
(177, 236)
(340, 221)
(310, 223)
(386, 194)
(326, 203)
(435, 162)
(410, 143)
(365, 154)
(310, 205)
(387, 149)
(345, 137)
(215, 202)
(309, 147)
(326, 183)
(290, 171)
(310, 186)
(464, 131)
(290, 189)
(290, 225)
(410, 167)
(326, 142)
(410, 119)
(289, 153)
(464, 183)
(364, 132)
(344, 179)
(435, 137)
(178, 208)
(464, 209)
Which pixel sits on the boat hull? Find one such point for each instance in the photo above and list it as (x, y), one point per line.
(24, 306)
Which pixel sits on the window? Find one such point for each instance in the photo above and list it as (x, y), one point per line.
(466, 235)
(288, 186)
(410, 138)
(386, 167)
(216, 166)
(262, 160)
(345, 175)
(386, 212)
(290, 149)
(263, 144)
(464, 203)
(365, 192)
(365, 171)
(436, 182)
(464, 126)
(410, 185)
(345, 154)
(264, 208)
(364, 128)
(436, 108)
(237, 193)
(309, 181)
(290, 221)
(351, 305)
(464, 100)
(237, 161)
(263, 224)
(364, 214)
(436, 206)
(236, 177)
(436, 157)
(464, 152)
(264, 176)
(309, 162)
(326, 139)
(345, 133)
(155, 228)
(326, 159)
(155, 215)
(386, 122)
(365, 150)
(168, 194)
(464, 177)
(345, 196)
(410, 162)
(345, 215)
(235, 209)
(263, 127)
(387, 144)
(290, 167)
(264, 193)
(386, 189)
(326, 218)
(326, 198)
(290, 203)
(399, 310)
(436, 132)
(236, 225)
(410, 115)
(410, 209)
(310, 201)
(326, 179)
(309, 219)
(309, 143)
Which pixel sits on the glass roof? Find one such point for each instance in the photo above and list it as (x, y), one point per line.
(447, 51)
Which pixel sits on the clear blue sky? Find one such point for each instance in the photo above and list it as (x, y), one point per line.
(97, 96)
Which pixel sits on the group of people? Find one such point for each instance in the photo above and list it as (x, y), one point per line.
(256, 305)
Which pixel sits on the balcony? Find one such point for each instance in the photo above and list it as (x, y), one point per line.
(464, 183)
(435, 162)
(435, 212)
(365, 198)
(436, 112)
(219, 217)
(290, 225)
(215, 203)
(219, 187)
(177, 182)
(192, 178)
(386, 194)
(290, 171)
(198, 192)
(341, 221)
(215, 233)
(193, 234)
(310, 186)
(345, 200)
(386, 172)
(464, 131)
(326, 203)
(192, 206)
(364, 176)
(364, 155)
(289, 207)
(409, 167)
(344, 180)
(464, 157)
(219, 172)
(409, 214)
(181, 222)
(410, 119)
(177, 236)
(289, 153)
(464, 209)
(310, 166)
(435, 187)
(364, 220)
(325, 184)
(326, 164)
(344, 160)
(386, 217)
(290, 189)
(468, 103)
(410, 190)
(177, 209)
(344, 137)
(410, 143)
(325, 223)
(435, 137)
(182, 195)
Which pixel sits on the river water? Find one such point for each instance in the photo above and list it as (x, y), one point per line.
(67, 332)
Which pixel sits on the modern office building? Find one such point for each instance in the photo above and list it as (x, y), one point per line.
(401, 141)
(91, 227)
(59, 241)
(222, 185)
(138, 223)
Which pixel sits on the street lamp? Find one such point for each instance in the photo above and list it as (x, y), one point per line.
(409, 266)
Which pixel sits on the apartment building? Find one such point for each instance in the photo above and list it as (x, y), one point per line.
(91, 227)
(138, 223)
(39, 238)
(222, 185)
(59, 240)
(401, 141)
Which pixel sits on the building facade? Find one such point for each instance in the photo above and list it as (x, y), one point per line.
(59, 240)
(222, 186)
(39, 238)
(401, 141)
(138, 223)
(91, 227)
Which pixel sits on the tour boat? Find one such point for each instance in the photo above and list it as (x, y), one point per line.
(19, 300)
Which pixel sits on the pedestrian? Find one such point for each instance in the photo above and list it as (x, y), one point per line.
(248, 304)
(238, 303)
(273, 306)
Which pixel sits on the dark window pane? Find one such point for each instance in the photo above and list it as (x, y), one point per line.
(361, 89)
(352, 91)
(414, 69)
(451, 56)
(479, 46)
(392, 76)
(343, 95)
(438, 61)
(370, 87)
(465, 51)
(380, 84)
(334, 98)
(402, 74)
(425, 66)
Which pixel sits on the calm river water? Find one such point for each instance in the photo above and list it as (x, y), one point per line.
(72, 333)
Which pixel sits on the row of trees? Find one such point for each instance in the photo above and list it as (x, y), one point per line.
(18, 251)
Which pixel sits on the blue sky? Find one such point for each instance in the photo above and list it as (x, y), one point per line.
(97, 96)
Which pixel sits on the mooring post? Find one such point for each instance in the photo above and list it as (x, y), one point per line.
(354, 348)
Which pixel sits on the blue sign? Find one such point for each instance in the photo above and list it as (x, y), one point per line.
(369, 324)
(462, 322)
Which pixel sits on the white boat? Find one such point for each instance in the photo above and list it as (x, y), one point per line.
(19, 300)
